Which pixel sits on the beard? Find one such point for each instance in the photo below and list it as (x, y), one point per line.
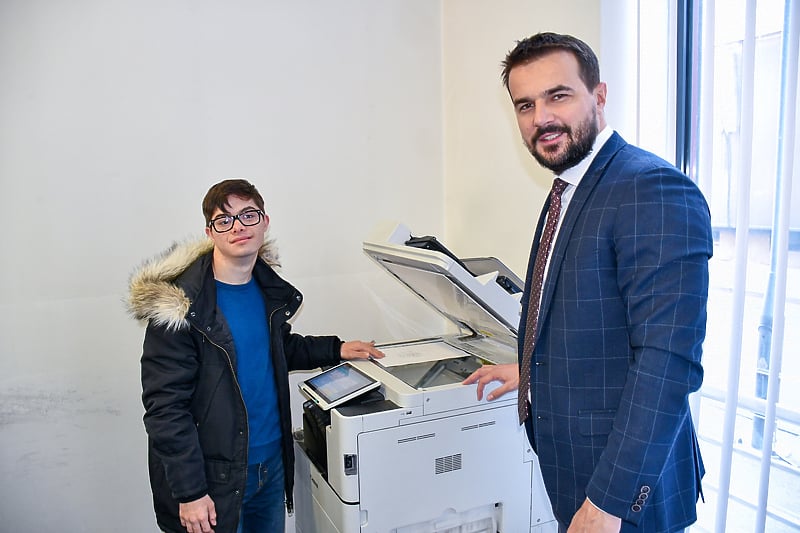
(579, 143)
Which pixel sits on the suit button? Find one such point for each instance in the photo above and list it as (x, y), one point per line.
(288, 313)
(640, 502)
(645, 489)
(636, 508)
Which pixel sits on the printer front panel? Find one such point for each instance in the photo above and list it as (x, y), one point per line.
(423, 472)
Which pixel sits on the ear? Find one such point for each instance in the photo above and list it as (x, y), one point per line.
(266, 220)
(600, 95)
(208, 232)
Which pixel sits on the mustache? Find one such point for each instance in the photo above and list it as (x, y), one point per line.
(548, 130)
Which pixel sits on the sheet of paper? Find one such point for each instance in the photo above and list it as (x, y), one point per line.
(404, 354)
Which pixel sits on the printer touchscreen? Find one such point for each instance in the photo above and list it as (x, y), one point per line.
(337, 385)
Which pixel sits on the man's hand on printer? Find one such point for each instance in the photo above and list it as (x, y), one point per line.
(507, 375)
(360, 350)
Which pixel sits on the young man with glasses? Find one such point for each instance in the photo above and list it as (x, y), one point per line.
(216, 356)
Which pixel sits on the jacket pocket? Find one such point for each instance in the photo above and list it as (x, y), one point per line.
(218, 472)
(597, 422)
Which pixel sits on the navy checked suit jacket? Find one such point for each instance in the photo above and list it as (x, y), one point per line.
(619, 344)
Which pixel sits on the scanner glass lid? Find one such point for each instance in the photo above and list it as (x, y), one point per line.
(444, 292)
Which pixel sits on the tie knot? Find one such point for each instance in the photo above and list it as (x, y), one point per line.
(558, 186)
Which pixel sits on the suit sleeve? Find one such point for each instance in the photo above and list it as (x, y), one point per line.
(662, 236)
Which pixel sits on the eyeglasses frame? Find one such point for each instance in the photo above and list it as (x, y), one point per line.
(261, 216)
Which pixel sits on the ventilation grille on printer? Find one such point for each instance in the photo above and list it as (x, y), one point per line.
(448, 463)
(476, 426)
(416, 437)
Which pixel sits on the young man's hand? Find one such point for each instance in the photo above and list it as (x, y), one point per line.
(360, 350)
(198, 516)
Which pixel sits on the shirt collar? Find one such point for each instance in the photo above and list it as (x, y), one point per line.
(574, 174)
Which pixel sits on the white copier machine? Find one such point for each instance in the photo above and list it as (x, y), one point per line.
(421, 453)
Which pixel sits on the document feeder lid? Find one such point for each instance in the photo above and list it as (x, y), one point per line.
(477, 304)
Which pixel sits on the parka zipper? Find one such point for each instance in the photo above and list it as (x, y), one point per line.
(289, 498)
(244, 406)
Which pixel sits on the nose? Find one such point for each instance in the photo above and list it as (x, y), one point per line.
(542, 116)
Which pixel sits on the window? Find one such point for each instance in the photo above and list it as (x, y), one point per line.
(737, 97)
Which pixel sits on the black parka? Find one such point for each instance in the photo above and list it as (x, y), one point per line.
(195, 416)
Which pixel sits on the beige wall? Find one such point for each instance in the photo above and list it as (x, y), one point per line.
(493, 187)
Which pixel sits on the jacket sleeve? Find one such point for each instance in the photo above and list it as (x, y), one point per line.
(306, 352)
(169, 371)
(663, 243)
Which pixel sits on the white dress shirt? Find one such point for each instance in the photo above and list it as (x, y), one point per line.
(573, 176)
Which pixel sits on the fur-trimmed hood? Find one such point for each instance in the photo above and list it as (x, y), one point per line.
(153, 293)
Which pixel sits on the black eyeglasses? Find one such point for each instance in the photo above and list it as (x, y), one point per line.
(224, 223)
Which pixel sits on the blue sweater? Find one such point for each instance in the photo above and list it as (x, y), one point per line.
(245, 313)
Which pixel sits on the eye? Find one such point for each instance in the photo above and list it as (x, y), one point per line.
(249, 216)
(223, 221)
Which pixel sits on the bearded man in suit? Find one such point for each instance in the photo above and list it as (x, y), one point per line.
(615, 347)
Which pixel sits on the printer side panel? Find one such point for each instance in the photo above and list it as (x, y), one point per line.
(319, 509)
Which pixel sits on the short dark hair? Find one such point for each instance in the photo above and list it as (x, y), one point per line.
(217, 196)
(544, 43)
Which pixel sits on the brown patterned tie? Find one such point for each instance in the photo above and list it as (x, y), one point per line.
(545, 242)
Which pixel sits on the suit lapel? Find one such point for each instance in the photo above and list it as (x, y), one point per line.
(576, 205)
